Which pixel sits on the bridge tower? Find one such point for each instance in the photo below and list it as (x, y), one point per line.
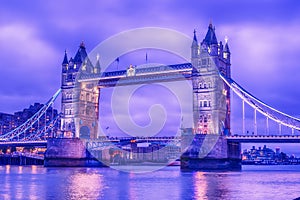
(207, 147)
(211, 98)
(79, 101)
(79, 108)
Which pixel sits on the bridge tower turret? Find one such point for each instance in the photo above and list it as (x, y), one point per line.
(226, 59)
(69, 74)
(195, 50)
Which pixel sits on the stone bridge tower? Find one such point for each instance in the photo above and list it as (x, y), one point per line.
(207, 148)
(211, 97)
(79, 101)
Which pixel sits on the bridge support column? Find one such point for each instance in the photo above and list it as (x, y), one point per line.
(210, 152)
(68, 152)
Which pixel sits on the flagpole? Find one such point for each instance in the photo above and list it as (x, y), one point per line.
(146, 58)
(117, 60)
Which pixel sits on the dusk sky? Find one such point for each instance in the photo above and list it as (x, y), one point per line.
(264, 39)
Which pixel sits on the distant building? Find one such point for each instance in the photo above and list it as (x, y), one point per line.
(9, 122)
(267, 156)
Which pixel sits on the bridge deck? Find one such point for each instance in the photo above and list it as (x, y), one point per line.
(265, 139)
(41, 143)
(234, 138)
(161, 73)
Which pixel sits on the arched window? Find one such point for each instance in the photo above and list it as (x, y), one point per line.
(200, 85)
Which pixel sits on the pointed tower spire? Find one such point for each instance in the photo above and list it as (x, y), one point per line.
(226, 51)
(210, 37)
(195, 41)
(97, 68)
(81, 54)
(195, 49)
(195, 37)
(82, 45)
(65, 61)
(226, 48)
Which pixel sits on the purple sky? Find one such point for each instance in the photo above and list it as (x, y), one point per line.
(263, 36)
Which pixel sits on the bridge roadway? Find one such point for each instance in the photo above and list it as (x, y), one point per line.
(126, 140)
(112, 140)
(40, 143)
(264, 138)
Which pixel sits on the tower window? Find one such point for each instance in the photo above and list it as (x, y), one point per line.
(200, 103)
(201, 85)
(69, 77)
(205, 104)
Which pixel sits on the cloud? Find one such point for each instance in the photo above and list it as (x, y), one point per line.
(263, 41)
(28, 65)
(264, 61)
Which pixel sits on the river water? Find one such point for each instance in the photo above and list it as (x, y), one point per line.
(253, 182)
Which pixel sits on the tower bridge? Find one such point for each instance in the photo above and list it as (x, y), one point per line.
(209, 144)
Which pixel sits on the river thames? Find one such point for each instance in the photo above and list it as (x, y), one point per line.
(253, 182)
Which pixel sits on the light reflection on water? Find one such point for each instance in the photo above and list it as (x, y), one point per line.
(85, 186)
(255, 182)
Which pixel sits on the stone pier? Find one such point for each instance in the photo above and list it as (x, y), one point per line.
(210, 152)
(68, 152)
